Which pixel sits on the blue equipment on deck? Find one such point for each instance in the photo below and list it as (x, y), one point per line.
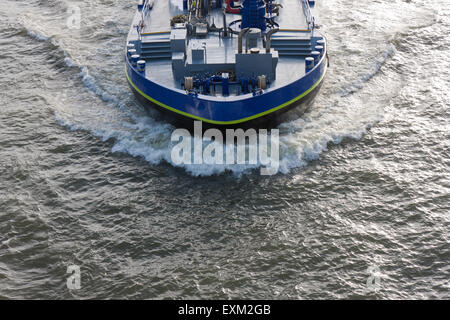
(253, 14)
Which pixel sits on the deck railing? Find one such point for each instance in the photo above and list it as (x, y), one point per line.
(144, 13)
(146, 9)
(308, 15)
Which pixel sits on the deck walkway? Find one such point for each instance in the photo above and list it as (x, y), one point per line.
(291, 15)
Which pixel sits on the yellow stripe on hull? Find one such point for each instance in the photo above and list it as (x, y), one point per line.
(227, 122)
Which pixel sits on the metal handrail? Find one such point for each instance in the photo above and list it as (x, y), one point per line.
(308, 14)
(145, 9)
(144, 13)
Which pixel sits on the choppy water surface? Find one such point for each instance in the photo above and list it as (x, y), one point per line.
(86, 177)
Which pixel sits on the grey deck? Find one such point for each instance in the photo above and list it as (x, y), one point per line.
(291, 16)
(223, 50)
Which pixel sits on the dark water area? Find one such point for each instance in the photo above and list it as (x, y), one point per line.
(86, 177)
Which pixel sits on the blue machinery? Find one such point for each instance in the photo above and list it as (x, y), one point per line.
(253, 14)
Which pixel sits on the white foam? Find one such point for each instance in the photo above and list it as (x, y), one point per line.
(358, 84)
(88, 81)
(37, 36)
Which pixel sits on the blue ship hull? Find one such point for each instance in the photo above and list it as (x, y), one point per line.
(265, 109)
